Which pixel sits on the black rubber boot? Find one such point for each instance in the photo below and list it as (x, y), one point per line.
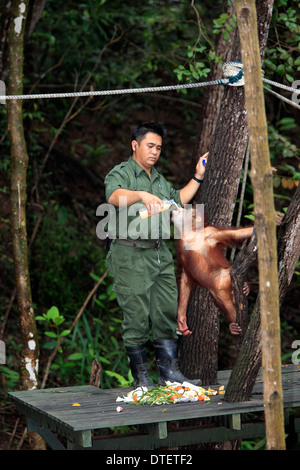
(166, 352)
(138, 365)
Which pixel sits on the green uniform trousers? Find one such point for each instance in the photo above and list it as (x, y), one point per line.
(146, 290)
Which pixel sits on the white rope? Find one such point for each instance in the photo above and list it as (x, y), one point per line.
(233, 72)
(108, 92)
(280, 85)
(282, 98)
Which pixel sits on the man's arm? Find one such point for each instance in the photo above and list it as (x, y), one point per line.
(129, 197)
(188, 192)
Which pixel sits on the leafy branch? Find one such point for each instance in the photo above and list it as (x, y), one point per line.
(62, 336)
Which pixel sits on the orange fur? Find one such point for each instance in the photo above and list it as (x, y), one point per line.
(204, 264)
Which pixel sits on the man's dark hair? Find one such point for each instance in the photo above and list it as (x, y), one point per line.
(141, 130)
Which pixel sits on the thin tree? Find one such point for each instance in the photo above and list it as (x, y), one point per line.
(262, 181)
(35, 10)
(19, 162)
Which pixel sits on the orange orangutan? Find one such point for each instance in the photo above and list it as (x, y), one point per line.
(201, 254)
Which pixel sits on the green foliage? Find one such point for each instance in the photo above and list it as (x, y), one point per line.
(11, 377)
(195, 71)
(9, 372)
(122, 381)
(202, 53)
(281, 145)
(92, 338)
(282, 59)
(53, 320)
(98, 35)
(297, 270)
(224, 25)
(255, 444)
(61, 259)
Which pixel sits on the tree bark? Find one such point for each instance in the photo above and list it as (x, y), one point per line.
(4, 22)
(261, 176)
(19, 162)
(246, 256)
(95, 375)
(212, 100)
(219, 193)
(35, 10)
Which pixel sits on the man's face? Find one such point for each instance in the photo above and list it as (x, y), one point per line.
(148, 151)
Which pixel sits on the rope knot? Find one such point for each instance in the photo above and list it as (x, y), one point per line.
(233, 71)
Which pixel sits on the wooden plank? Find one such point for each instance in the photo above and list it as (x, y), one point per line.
(203, 434)
(82, 439)
(183, 436)
(158, 430)
(46, 434)
(236, 423)
(94, 413)
(54, 407)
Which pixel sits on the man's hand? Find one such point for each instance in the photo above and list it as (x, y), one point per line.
(152, 203)
(200, 167)
(126, 197)
(188, 192)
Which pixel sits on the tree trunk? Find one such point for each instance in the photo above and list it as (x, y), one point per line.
(212, 100)
(95, 375)
(246, 256)
(262, 181)
(219, 193)
(34, 12)
(19, 161)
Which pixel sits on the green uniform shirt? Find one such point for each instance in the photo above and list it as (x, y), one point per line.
(125, 222)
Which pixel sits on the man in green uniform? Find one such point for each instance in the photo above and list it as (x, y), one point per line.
(141, 263)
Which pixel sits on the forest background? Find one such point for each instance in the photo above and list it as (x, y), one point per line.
(73, 143)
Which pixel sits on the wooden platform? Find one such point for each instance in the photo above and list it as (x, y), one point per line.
(52, 410)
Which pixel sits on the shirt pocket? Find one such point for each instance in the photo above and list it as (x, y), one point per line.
(163, 191)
